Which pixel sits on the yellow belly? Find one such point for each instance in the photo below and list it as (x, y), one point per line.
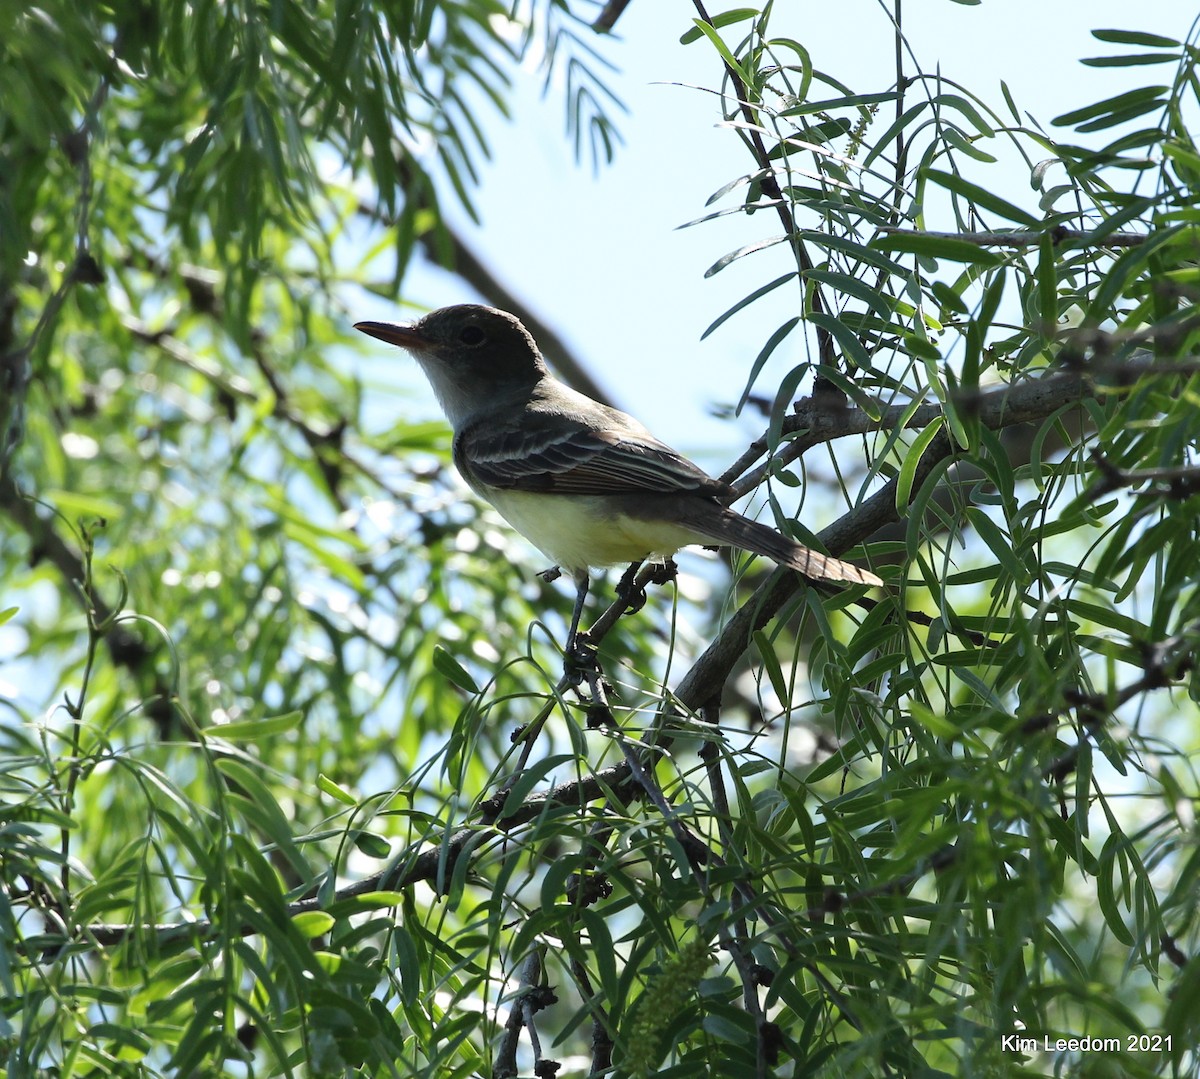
(576, 531)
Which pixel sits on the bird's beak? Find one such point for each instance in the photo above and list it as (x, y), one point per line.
(394, 333)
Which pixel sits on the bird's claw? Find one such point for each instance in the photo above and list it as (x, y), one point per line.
(580, 660)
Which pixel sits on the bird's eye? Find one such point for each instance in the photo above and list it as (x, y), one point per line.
(471, 336)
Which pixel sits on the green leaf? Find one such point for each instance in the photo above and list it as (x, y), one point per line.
(1137, 37)
(908, 470)
(937, 247)
(749, 249)
(770, 661)
(253, 730)
(747, 300)
(764, 354)
(829, 104)
(948, 298)
(1122, 116)
(1132, 60)
(372, 845)
(967, 109)
(998, 543)
(532, 775)
(725, 18)
(1111, 105)
(981, 197)
(965, 145)
(842, 334)
(335, 791)
(449, 667)
(313, 923)
(1106, 897)
(1047, 285)
(882, 304)
(76, 506)
(725, 52)
(932, 721)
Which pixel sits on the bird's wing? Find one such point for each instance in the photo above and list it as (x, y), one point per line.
(554, 454)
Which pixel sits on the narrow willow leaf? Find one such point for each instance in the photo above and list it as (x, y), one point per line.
(726, 18)
(879, 302)
(937, 247)
(335, 790)
(1137, 37)
(963, 144)
(726, 53)
(851, 345)
(962, 105)
(1106, 892)
(251, 730)
(997, 542)
(1008, 100)
(765, 354)
(981, 196)
(948, 298)
(747, 300)
(312, 923)
(449, 667)
(1047, 284)
(829, 104)
(749, 249)
(1143, 59)
(770, 662)
(724, 190)
(1110, 105)
(908, 470)
(1123, 116)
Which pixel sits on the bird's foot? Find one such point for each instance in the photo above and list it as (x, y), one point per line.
(580, 665)
(629, 592)
(580, 660)
(632, 594)
(663, 572)
(551, 574)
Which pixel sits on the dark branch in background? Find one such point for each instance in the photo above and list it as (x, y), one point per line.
(16, 364)
(1174, 483)
(608, 17)
(772, 192)
(531, 997)
(126, 647)
(814, 422)
(1163, 664)
(325, 445)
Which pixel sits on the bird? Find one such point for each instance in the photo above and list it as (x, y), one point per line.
(588, 485)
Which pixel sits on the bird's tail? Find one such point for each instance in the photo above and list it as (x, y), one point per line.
(732, 529)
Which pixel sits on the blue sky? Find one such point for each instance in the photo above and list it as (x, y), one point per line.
(598, 255)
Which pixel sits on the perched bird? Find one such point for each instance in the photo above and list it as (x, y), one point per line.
(586, 484)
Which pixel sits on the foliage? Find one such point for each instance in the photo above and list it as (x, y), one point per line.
(291, 783)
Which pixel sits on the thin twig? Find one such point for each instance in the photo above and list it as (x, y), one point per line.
(783, 207)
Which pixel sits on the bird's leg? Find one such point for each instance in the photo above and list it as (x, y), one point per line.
(633, 596)
(628, 592)
(580, 653)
